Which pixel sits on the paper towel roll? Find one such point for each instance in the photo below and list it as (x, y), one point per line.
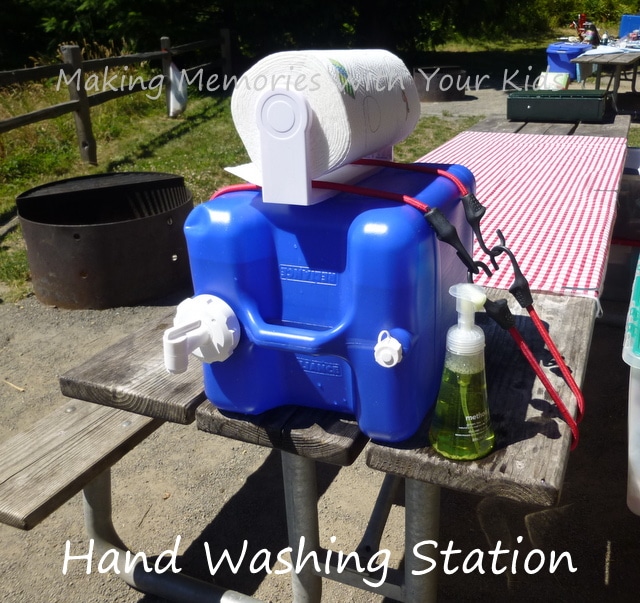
(361, 101)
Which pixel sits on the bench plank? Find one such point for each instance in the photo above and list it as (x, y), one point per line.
(497, 123)
(130, 375)
(619, 128)
(52, 461)
(616, 127)
(532, 442)
(560, 129)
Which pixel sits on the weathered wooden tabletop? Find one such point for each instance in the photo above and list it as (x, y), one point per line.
(130, 375)
(532, 441)
(626, 59)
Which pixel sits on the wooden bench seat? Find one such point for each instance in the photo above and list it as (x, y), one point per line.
(43, 467)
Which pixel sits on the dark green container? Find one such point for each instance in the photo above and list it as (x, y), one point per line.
(559, 105)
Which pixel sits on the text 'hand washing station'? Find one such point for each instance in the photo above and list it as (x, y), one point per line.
(307, 295)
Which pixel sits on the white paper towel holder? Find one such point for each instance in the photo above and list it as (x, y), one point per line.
(284, 118)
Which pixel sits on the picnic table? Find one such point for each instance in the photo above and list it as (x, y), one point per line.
(538, 207)
(621, 60)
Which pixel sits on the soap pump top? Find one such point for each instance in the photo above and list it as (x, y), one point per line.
(466, 338)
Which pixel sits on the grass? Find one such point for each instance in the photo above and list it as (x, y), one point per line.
(133, 133)
(430, 133)
(14, 268)
(198, 145)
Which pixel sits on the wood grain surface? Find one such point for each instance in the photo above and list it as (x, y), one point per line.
(532, 440)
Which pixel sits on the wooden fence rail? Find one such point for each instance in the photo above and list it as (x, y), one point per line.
(72, 71)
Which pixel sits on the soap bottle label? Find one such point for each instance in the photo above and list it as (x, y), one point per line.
(461, 426)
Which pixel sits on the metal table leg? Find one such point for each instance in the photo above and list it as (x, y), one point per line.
(301, 499)
(168, 585)
(370, 542)
(422, 522)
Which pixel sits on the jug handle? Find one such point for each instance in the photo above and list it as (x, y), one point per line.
(292, 339)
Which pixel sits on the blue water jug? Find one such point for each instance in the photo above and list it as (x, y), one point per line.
(342, 305)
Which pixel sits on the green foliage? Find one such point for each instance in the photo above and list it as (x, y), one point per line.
(33, 29)
(45, 147)
(601, 12)
(38, 27)
(140, 24)
(41, 152)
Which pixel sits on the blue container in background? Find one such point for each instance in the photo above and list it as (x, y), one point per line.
(316, 288)
(559, 57)
(628, 23)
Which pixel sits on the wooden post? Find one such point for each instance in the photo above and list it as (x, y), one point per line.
(225, 52)
(165, 46)
(77, 92)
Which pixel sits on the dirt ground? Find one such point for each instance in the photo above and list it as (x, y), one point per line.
(184, 483)
(178, 483)
(201, 488)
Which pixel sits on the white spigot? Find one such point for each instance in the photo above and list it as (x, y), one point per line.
(204, 326)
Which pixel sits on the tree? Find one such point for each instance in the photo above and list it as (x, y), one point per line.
(40, 26)
(407, 27)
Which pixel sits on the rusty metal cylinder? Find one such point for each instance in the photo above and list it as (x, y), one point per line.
(107, 240)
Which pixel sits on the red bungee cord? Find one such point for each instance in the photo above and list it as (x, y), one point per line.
(416, 167)
(371, 192)
(235, 188)
(336, 186)
(528, 354)
(521, 291)
(423, 207)
(564, 369)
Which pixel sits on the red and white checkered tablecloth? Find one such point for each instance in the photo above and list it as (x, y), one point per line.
(554, 199)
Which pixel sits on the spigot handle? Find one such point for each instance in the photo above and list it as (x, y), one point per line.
(180, 341)
(204, 326)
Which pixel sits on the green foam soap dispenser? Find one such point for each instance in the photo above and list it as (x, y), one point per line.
(461, 426)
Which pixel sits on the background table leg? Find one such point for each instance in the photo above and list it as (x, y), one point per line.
(422, 519)
(301, 499)
(616, 83)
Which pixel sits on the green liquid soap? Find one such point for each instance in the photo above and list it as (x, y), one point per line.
(461, 426)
